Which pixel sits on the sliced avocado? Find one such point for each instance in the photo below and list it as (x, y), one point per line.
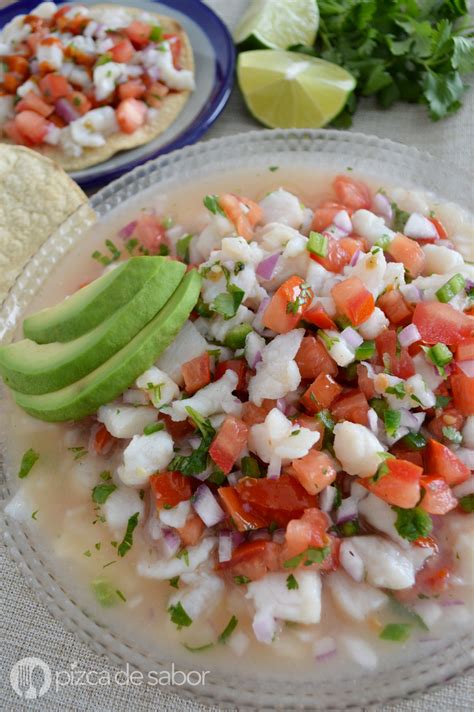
(115, 375)
(33, 368)
(91, 305)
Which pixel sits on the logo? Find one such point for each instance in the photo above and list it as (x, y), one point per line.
(30, 678)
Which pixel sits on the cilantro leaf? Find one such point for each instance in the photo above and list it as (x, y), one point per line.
(291, 583)
(100, 493)
(228, 630)
(179, 616)
(127, 541)
(228, 302)
(196, 462)
(396, 632)
(29, 458)
(412, 524)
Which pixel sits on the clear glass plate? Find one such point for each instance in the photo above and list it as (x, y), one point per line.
(390, 163)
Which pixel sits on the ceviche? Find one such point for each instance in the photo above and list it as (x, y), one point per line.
(81, 83)
(289, 468)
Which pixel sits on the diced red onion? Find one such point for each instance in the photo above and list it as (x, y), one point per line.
(343, 222)
(34, 66)
(225, 546)
(257, 359)
(347, 510)
(281, 404)
(171, 543)
(409, 335)
(412, 294)
(355, 258)
(66, 111)
(464, 488)
(446, 243)
(411, 420)
(452, 602)
(351, 562)
(381, 206)
(352, 337)
(207, 507)
(274, 468)
(466, 367)
(373, 420)
(264, 626)
(266, 267)
(154, 73)
(237, 538)
(469, 284)
(290, 411)
(417, 226)
(324, 648)
(467, 456)
(326, 498)
(324, 656)
(91, 28)
(127, 230)
(279, 536)
(259, 535)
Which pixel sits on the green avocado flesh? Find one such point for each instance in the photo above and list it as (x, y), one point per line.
(115, 375)
(91, 305)
(28, 367)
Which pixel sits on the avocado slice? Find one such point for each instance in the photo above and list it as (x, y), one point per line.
(91, 305)
(33, 368)
(115, 375)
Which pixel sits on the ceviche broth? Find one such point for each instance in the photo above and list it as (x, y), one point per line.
(290, 584)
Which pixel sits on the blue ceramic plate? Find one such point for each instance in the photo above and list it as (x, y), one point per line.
(214, 57)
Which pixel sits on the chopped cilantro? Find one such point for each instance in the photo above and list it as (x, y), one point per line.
(414, 441)
(400, 218)
(241, 580)
(396, 632)
(100, 493)
(196, 462)
(442, 401)
(127, 541)
(152, 428)
(326, 419)
(179, 616)
(304, 295)
(398, 390)
(392, 421)
(235, 337)
(250, 467)
(226, 303)
(174, 582)
(30, 457)
(452, 434)
(467, 503)
(34, 514)
(291, 583)
(211, 202)
(228, 630)
(273, 168)
(183, 554)
(312, 555)
(365, 351)
(79, 452)
(105, 593)
(327, 340)
(412, 524)
(156, 34)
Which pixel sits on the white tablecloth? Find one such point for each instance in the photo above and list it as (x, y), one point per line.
(27, 629)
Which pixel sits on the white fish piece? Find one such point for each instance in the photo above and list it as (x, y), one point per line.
(19, 506)
(90, 130)
(176, 516)
(202, 594)
(468, 432)
(374, 325)
(371, 226)
(359, 650)
(356, 600)
(125, 421)
(188, 344)
(441, 260)
(166, 569)
(370, 269)
(281, 206)
(215, 398)
(277, 373)
(381, 516)
(119, 506)
(160, 388)
(274, 439)
(145, 455)
(270, 595)
(386, 565)
(162, 59)
(357, 449)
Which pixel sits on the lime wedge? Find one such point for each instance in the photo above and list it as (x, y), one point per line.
(292, 90)
(277, 24)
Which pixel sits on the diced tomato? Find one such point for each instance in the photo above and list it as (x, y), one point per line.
(244, 518)
(276, 500)
(318, 317)
(463, 392)
(395, 307)
(175, 47)
(239, 366)
(54, 86)
(33, 102)
(196, 373)
(33, 40)
(408, 252)
(402, 452)
(340, 253)
(57, 120)
(228, 443)
(253, 414)
(170, 488)
(103, 440)
(449, 418)
(441, 461)
(465, 350)
(440, 229)
(123, 51)
(310, 530)
(192, 531)
(31, 126)
(253, 559)
(352, 193)
(365, 383)
(313, 359)
(11, 131)
(79, 56)
(288, 305)
(11, 82)
(36, 23)
(75, 25)
(80, 102)
(244, 220)
(314, 471)
(352, 406)
(131, 114)
(438, 322)
(433, 579)
(400, 364)
(353, 300)
(139, 33)
(177, 429)
(324, 216)
(400, 486)
(17, 64)
(155, 94)
(438, 498)
(313, 424)
(321, 393)
(149, 232)
(133, 89)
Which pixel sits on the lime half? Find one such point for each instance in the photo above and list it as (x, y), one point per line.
(292, 90)
(277, 24)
